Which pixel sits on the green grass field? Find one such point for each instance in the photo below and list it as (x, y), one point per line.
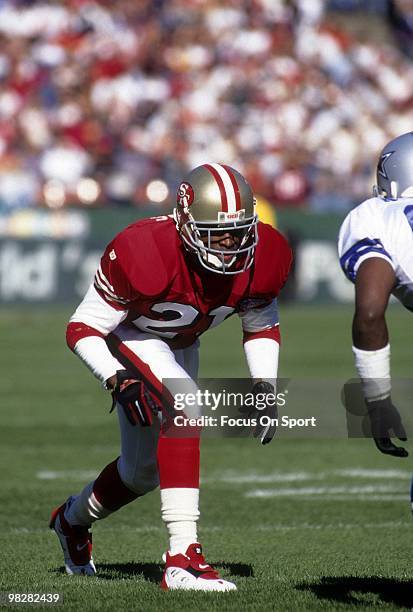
(298, 524)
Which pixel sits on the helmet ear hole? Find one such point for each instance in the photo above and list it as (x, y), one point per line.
(393, 190)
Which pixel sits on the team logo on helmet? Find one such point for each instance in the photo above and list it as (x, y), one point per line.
(185, 195)
(381, 167)
(239, 215)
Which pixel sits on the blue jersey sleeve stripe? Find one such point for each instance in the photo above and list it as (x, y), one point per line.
(361, 244)
(349, 260)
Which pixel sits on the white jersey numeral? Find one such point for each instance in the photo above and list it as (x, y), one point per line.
(219, 314)
(183, 316)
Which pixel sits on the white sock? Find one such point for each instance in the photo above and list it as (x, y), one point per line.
(86, 509)
(180, 512)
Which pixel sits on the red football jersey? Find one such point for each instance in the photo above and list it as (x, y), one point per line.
(146, 271)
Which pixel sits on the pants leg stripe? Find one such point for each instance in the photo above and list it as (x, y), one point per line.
(134, 363)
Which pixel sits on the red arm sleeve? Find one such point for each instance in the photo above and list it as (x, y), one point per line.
(76, 331)
(273, 334)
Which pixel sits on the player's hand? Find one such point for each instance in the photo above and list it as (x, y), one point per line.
(385, 421)
(265, 433)
(137, 402)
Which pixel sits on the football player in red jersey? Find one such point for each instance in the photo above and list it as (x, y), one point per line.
(161, 283)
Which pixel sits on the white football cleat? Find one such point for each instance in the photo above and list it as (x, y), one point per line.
(75, 540)
(190, 572)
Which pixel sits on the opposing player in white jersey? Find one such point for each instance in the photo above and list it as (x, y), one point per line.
(376, 253)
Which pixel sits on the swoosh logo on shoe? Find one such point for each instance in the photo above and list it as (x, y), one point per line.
(203, 566)
(79, 548)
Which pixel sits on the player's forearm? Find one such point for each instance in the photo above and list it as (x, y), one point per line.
(92, 321)
(262, 340)
(90, 346)
(374, 283)
(371, 350)
(369, 330)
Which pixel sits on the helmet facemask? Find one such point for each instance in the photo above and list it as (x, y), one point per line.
(197, 237)
(394, 194)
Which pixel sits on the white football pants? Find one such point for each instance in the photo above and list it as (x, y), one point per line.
(137, 464)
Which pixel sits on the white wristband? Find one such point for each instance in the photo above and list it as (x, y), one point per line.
(262, 358)
(373, 368)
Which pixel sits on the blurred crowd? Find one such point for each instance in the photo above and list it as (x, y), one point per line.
(110, 103)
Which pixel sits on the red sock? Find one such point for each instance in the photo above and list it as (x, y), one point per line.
(109, 489)
(178, 462)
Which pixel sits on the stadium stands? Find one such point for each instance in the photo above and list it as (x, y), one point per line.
(106, 103)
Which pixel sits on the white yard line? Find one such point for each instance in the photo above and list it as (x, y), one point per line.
(367, 473)
(219, 528)
(238, 477)
(25, 530)
(334, 526)
(255, 477)
(230, 478)
(67, 475)
(372, 491)
(366, 498)
(328, 491)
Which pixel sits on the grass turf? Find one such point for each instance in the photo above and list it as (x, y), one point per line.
(298, 524)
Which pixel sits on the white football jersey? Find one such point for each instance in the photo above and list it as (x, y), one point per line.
(379, 228)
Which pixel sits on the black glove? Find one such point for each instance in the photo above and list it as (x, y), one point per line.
(136, 400)
(264, 432)
(384, 417)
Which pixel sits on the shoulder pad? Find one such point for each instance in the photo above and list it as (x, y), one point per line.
(273, 259)
(149, 251)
